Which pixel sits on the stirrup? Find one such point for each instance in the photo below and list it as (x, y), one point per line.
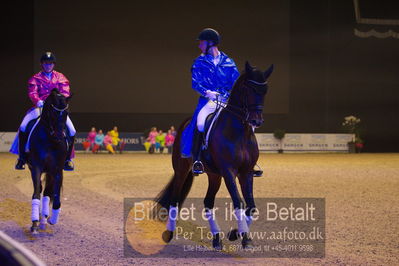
(198, 168)
(258, 172)
(69, 166)
(20, 164)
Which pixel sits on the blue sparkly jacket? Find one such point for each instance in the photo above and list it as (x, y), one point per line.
(208, 76)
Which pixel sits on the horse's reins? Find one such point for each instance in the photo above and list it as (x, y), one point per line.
(243, 112)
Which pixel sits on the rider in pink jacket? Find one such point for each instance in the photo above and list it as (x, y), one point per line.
(39, 88)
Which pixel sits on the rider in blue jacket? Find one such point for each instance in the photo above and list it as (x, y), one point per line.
(213, 76)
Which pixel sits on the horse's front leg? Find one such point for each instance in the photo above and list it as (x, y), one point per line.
(37, 188)
(214, 182)
(47, 195)
(55, 212)
(239, 211)
(246, 183)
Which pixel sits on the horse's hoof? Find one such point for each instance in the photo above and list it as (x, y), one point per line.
(52, 220)
(49, 221)
(43, 223)
(246, 241)
(217, 243)
(35, 228)
(43, 226)
(167, 236)
(232, 235)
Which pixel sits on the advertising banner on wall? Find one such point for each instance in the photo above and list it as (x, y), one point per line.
(133, 141)
(304, 142)
(266, 142)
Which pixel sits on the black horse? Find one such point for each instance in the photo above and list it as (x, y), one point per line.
(48, 149)
(232, 152)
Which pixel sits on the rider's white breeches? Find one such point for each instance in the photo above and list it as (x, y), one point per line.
(35, 113)
(28, 117)
(71, 128)
(209, 108)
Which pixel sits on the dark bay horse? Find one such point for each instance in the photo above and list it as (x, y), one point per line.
(47, 151)
(232, 152)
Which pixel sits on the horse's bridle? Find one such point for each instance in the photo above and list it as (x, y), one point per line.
(244, 111)
(60, 110)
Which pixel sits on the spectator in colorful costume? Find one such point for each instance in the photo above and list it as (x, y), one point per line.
(169, 140)
(98, 141)
(115, 138)
(160, 141)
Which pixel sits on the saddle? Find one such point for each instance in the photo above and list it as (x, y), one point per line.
(29, 128)
(209, 125)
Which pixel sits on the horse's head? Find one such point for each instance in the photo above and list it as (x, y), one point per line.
(55, 112)
(249, 93)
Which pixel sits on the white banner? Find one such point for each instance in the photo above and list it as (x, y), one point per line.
(266, 142)
(6, 139)
(304, 142)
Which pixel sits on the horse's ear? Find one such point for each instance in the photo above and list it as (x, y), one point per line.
(269, 71)
(54, 91)
(248, 67)
(69, 97)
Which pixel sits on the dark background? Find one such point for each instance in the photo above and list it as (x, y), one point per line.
(135, 56)
(323, 71)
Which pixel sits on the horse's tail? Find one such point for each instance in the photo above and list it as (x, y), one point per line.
(165, 196)
(182, 181)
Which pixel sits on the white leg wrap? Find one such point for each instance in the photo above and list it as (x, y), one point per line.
(54, 216)
(43, 220)
(213, 224)
(249, 220)
(171, 224)
(241, 221)
(46, 206)
(35, 209)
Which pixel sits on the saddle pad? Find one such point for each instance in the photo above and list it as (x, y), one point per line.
(209, 125)
(31, 126)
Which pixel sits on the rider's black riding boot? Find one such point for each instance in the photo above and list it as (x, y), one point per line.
(68, 162)
(198, 167)
(22, 138)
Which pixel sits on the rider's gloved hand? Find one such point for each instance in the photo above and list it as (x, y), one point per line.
(212, 95)
(39, 104)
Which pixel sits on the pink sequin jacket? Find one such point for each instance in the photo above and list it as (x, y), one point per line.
(39, 86)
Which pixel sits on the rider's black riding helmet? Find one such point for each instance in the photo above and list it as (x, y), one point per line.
(209, 34)
(47, 57)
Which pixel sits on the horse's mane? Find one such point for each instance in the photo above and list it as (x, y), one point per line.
(238, 85)
(239, 81)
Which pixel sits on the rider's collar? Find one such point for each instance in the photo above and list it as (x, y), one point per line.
(48, 75)
(211, 58)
